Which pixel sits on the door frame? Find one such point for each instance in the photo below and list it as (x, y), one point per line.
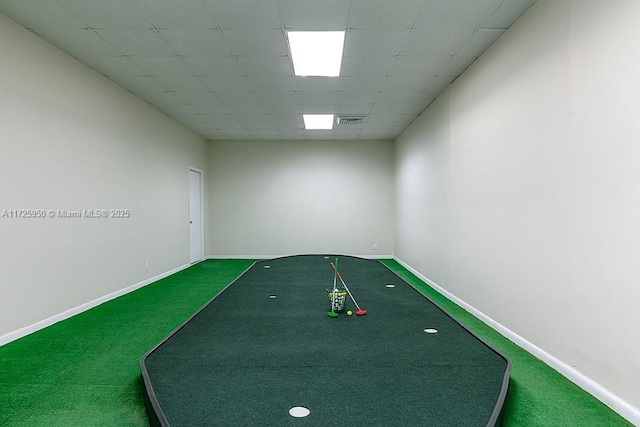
(201, 174)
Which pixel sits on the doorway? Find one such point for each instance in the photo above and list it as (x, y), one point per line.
(196, 227)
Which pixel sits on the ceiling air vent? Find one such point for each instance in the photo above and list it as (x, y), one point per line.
(349, 120)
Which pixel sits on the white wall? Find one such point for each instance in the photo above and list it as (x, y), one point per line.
(272, 198)
(70, 139)
(518, 190)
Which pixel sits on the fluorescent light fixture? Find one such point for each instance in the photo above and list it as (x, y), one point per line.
(316, 53)
(318, 121)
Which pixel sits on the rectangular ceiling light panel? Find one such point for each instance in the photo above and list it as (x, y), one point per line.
(318, 121)
(316, 53)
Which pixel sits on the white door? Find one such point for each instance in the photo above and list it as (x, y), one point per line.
(195, 216)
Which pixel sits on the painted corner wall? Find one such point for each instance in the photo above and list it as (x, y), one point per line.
(518, 190)
(272, 198)
(72, 140)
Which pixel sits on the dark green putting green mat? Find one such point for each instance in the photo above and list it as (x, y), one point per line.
(246, 358)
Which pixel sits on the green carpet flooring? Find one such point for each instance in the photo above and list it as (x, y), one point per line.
(85, 371)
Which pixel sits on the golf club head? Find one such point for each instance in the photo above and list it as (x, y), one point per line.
(361, 312)
(332, 314)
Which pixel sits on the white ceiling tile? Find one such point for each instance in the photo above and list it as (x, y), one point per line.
(320, 98)
(508, 12)
(284, 117)
(295, 134)
(381, 113)
(413, 83)
(427, 100)
(237, 99)
(347, 132)
(356, 66)
(227, 83)
(375, 135)
(222, 121)
(227, 119)
(81, 42)
(180, 110)
(158, 98)
(138, 83)
(272, 85)
(112, 14)
(40, 15)
(258, 123)
(480, 41)
(247, 115)
(185, 115)
(350, 109)
(112, 66)
(400, 97)
(219, 66)
(256, 43)
(388, 125)
(161, 65)
(204, 42)
(457, 65)
(318, 108)
(198, 127)
(374, 42)
(200, 98)
(229, 123)
(230, 135)
(319, 135)
(174, 14)
(457, 13)
(419, 67)
(213, 123)
(213, 135)
(436, 41)
(136, 42)
(314, 15)
(181, 83)
(409, 110)
(200, 117)
(440, 83)
(376, 14)
(250, 117)
(418, 108)
(278, 99)
(362, 84)
(234, 14)
(269, 135)
(358, 97)
(210, 110)
(276, 66)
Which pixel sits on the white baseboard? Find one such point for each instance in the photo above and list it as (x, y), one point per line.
(381, 256)
(617, 404)
(12, 336)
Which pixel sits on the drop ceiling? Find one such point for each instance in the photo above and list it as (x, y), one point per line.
(222, 67)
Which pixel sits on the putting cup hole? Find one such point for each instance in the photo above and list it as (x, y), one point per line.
(299, 411)
(391, 285)
(431, 331)
(272, 296)
(267, 266)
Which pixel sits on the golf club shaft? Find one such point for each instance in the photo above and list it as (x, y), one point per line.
(345, 286)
